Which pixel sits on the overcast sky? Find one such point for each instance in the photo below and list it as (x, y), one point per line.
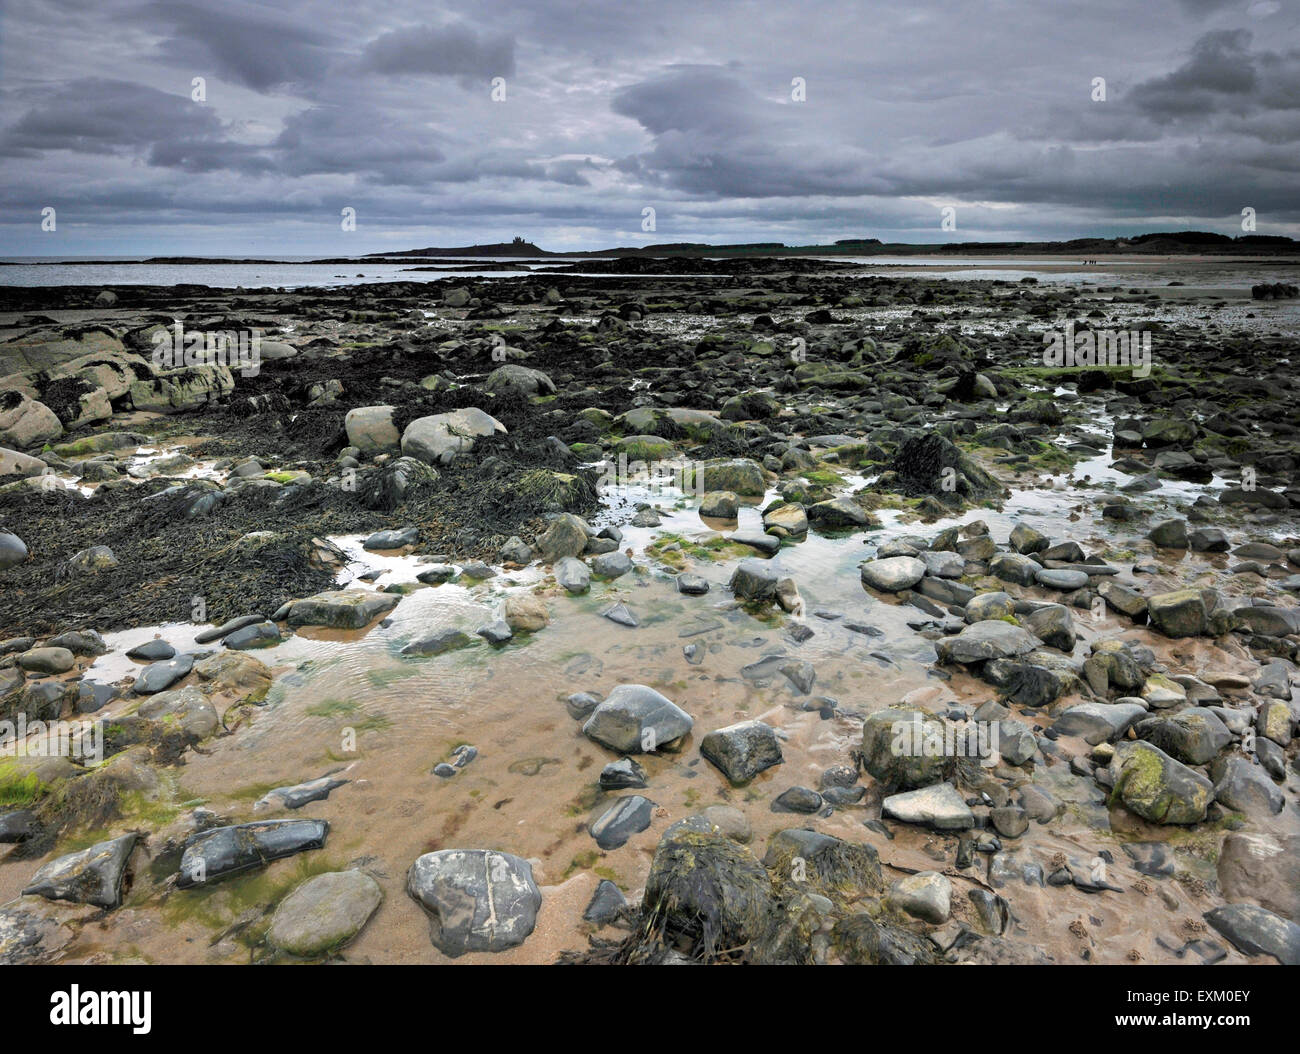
(683, 106)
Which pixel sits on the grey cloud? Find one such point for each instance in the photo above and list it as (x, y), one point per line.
(446, 51)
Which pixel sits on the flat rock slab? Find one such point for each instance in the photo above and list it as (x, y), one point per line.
(939, 806)
(477, 900)
(89, 876)
(341, 609)
(229, 850)
(324, 913)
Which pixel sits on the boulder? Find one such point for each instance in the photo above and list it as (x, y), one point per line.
(743, 750)
(892, 574)
(635, 719)
(1180, 613)
(371, 428)
(324, 913)
(88, 876)
(437, 439)
(1156, 787)
(341, 609)
(477, 900)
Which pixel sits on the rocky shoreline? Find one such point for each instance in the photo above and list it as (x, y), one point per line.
(887, 513)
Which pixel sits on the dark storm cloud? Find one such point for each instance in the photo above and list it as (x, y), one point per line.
(244, 42)
(386, 106)
(101, 116)
(450, 51)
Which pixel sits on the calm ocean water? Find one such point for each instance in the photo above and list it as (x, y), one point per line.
(34, 271)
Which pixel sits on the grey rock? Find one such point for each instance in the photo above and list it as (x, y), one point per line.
(477, 900)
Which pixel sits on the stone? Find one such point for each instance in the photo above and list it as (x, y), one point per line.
(754, 580)
(635, 719)
(1194, 736)
(1180, 613)
(1157, 788)
(525, 613)
(566, 535)
(1053, 625)
(572, 575)
(382, 541)
(159, 676)
(1098, 722)
(47, 660)
(1169, 534)
(693, 585)
(13, 550)
(496, 632)
(606, 904)
(742, 476)
(477, 900)
(1064, 580)
(258, 635)
(893, 747)
(438, 642)
(986, 606)
(437, 439)
(839, 514)
(236, 671)
(626, 817)
(185, 708)
(926, 896)
(611, 565)
(1025, 540)
(741, 751)
(623, 774)
(324, 913)
(798, 799)
(1263, 869)
(152, 651)
(1243, 786)
(1126, 601)
(526, 381)
(299, 794)
(1010, 567)
(371, 428)
(1256, 931)
(88, 876)
(341, 609)
(939, 806)
(224, 851)
(720, 505)
(893, 574)
(1208, 540)
(981, 641)
(25, 422)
